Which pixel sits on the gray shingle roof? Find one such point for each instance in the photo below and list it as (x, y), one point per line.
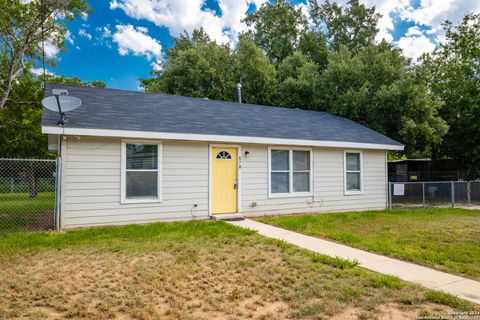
(157, 112)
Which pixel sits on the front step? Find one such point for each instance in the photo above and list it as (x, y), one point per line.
(228, 216)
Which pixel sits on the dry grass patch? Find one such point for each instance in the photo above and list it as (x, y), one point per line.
(194, 270)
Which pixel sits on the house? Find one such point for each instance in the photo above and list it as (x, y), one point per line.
(133, 157)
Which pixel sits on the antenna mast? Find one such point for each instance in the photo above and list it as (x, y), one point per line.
(42, 6)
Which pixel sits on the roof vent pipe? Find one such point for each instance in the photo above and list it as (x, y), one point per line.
(239, 92)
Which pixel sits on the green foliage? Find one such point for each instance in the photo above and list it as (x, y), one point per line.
(277, 28)
(20, 122)
(453, 74)
(75, 81)
(297, 78)
(20, 119)
(376, 88)
(386, 281)
(23, 26)
(353, 26)
(255, 72)
(196, 67)
(336, 262)
(314, 46)
(440, 297)
(335, 66)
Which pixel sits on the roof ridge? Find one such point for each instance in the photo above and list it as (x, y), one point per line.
(194, 98)
(157, 111)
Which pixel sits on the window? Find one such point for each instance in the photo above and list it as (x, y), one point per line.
(353, 172)
(290, 172)
(140, 172)
(224, 155)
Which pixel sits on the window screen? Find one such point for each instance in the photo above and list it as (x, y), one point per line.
(141, 172)
(353, 171)
(290, 171)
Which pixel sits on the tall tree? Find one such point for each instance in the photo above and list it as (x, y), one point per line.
(20, 118)
(376, 88)
(277, 28)
(453, 71)
(255, 72)
(197, 67)
(313, 45)
(353, 25)
(24, 25)
(297, 78)
(75, 81)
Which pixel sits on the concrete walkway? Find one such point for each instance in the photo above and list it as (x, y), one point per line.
(432, 279)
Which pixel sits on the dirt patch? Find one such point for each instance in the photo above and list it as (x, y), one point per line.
(227, 277)
(28, 221)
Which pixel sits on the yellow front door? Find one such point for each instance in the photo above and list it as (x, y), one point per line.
(224, 180)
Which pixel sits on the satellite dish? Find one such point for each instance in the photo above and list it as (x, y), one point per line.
(67, 103)
(61, 103)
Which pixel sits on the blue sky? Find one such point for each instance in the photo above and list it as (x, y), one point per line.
(122, 40)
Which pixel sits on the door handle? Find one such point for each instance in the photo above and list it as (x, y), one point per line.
(235, 186)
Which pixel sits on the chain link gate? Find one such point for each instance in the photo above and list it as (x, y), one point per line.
(28, 193)
(434, 194)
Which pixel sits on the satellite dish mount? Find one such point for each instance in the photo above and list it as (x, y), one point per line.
(62, 103)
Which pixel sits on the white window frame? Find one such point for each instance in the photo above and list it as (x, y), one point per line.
(352, 192)
(290, 171)
(123, 168)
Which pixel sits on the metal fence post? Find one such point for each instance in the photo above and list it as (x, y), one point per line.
(389, 195)
(12, 185)
(58, 182)
(469, 199)
(453, 193)
(423, 194)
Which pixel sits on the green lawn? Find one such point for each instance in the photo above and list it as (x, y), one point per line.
(444, 239)
(194, 270)
(20, 212)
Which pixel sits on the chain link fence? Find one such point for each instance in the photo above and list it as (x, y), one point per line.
(27, 194)
(434, 194)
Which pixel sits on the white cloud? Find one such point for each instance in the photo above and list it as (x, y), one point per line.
(69, 37)
(51, 50)
(136, 41)
(431, 13)
(105, 31)
(224, 27)
(413, 31)
(103, 36)
(304, 9)
(427, 15)
(84, 16)
(187, 15)
(39, 71)
(156, 65)
(388, 9)
(85, 34)
(414, 46)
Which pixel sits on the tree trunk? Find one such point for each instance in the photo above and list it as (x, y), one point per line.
(5, 94)
(12, 74)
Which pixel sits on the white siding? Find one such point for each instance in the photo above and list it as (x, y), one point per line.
(328, 192)
(91, 180)
(91, 184)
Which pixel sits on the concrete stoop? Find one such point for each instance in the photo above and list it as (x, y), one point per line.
(228, 216)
